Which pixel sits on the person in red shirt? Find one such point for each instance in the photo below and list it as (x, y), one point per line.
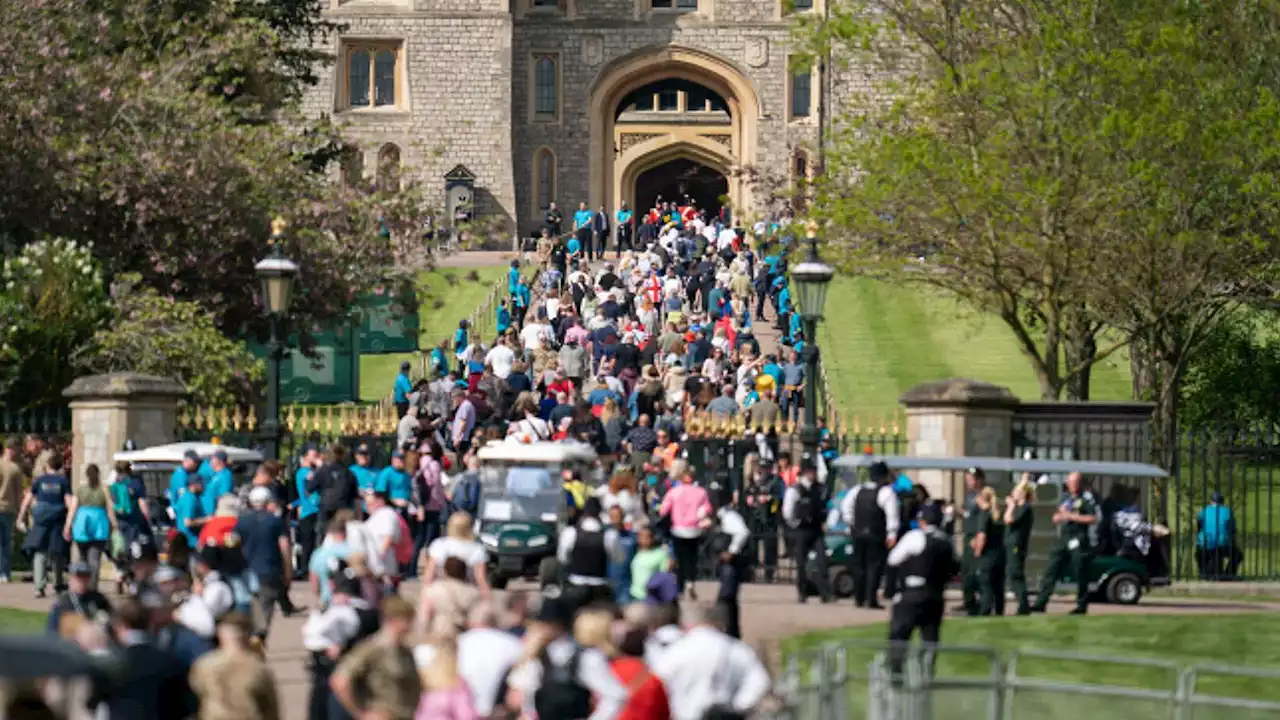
(214, 532)
(623, 643)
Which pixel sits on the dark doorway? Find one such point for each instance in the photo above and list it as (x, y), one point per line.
(674, 180)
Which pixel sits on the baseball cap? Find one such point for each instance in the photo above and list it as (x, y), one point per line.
(397, 453)
(220, 455)
(362, 449)
(191, 455)
(405, 365)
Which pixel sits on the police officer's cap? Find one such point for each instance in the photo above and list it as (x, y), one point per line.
(879, 472)
(931, 514)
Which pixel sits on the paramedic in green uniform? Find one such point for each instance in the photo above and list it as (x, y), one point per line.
(988, 552)
(1077, 520)
(974, 482)
(1019, 518)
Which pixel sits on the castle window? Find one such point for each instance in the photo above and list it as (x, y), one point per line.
(546, 4)
(801, 92)
(686, 5)
(802, 5)
(546, 87)
(544, 179)
(389, 168)
(373, 72)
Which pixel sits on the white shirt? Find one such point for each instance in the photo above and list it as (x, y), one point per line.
(360, 539)
(659, 642)
(727, 236)
(406, 428)
(335, 626)
(706, 668)
(384, 525)
(886, 498)
(484, 656)
(197, 617)
(468, 551)
(500, 359)
(531, 335)
(553, 307)
(218, 595)
(732, 524)
(593, 672)
(632, 507)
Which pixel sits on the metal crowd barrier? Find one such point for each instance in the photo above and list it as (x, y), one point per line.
(856, 681)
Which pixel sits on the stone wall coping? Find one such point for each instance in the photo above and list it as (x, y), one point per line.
(124, 385)
(1085, 410)
(959, 392)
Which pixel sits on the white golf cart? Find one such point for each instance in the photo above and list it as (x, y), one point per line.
(523, 505)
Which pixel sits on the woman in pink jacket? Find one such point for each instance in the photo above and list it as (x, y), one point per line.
(686, 505)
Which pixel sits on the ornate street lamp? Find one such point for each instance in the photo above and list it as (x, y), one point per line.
(276, 273)
(811, 278)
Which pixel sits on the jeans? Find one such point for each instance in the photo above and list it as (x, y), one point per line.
(686, 552)
(6, 543)
(91, 553)
(423, 534)
(272, 592)
(40, 560)
(305, 531)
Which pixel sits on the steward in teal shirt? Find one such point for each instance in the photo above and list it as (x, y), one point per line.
(403, 386)
(178, 480)
(219, 483)
(583, 218)
(189, 510)
(308, 503)
(395, 482)
(364, 473)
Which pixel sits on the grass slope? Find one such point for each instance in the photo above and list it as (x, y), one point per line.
(450, 298)
(1246, 639)
(13, 622)
(879, 340)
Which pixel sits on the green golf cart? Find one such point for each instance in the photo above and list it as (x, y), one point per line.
(523, 506)
(1121, 578)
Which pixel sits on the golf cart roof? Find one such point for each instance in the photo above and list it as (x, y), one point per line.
(172, 454)
(1000, 464)
(536, 452)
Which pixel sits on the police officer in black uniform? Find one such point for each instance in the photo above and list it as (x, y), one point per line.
(871, 511)
(926, 562)
(584, 552)
(804, 510)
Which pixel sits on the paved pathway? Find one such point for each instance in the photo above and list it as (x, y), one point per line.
(769, 614)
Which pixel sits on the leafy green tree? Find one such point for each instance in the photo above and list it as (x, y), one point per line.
(157, 335)
(119, 127)
(1233, 380)
(51, 300)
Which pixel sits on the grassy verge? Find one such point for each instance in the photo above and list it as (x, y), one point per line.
(14, 622)
(452, 294)
(1182, 641)
(879, 340)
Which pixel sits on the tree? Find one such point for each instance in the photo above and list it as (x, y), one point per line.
(116, 130)
(51, 301)
(984, 166)
(1233, 380)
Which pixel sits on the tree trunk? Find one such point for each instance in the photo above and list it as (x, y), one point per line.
(1081, 348)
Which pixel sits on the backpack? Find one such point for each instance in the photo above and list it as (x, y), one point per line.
(338, 488)
(404, 543)
(561, 695)
(121, 498)
(435, 500)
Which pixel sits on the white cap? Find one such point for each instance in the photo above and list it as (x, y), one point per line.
(259, 496)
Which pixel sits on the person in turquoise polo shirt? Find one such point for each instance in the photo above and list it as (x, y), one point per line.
(504, 316)
(219, 483)
(403, 386)
(178, 480)
(188, 513)
(308, 504)
(624, 229)
(582, 229)
(513, 277)
(395, 482)
(363, 471)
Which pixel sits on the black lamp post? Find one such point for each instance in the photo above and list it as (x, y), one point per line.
(276, 273)
(811, 278)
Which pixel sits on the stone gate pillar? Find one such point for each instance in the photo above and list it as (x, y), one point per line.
(108, 409)
(954, 417)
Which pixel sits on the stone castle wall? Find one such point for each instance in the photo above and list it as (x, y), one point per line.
(468, 71)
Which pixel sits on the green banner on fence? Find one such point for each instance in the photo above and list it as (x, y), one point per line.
(330, 375)
(388, 321)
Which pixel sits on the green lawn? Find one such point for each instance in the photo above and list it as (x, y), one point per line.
(1238, 640)
(451, 295)
(880, 339)
(21, 621)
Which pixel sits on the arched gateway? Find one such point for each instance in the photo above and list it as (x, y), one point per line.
(671, 121)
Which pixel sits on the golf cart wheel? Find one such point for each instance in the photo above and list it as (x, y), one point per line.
(1124, 589)
(548, 572)
(842, 582)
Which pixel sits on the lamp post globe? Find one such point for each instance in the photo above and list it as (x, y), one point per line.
(277, 273)
(811, 278)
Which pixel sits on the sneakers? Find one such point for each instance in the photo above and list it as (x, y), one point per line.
(4, 579)
(40, 592)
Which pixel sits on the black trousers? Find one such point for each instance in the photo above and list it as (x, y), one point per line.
(602, 242)
(869, 555)
(402, 408)
(624, 238)
(731, 574)
(307, 528)
(686, 560)
(909, 615)
(765, 550)
(586, 240)
(761, 299)
(803, 542)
